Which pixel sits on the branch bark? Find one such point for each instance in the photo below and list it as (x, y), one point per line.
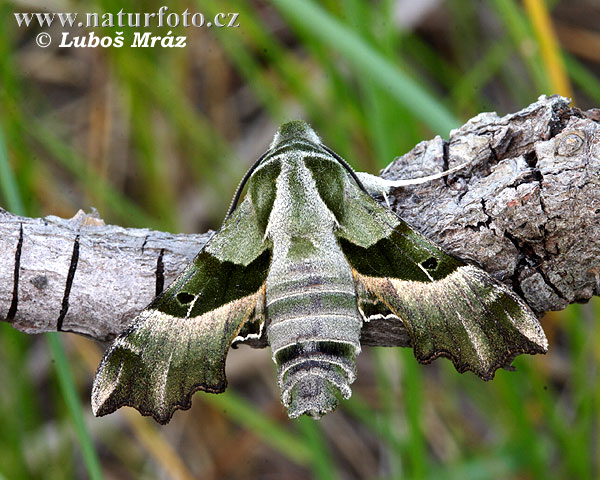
(526, 209)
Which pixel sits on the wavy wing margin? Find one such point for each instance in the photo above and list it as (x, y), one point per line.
(178, 344)
(447, 307)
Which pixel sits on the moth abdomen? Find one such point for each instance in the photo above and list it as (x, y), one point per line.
(314, 333)
(312, 379)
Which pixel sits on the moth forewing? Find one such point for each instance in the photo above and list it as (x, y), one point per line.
(448, 308)
(179, 343)
(163, 360)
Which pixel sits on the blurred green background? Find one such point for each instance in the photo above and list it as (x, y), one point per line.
(160, 137)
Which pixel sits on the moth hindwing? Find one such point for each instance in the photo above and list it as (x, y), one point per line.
(304, 260)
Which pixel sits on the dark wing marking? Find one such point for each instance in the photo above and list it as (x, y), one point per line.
(179, 343)
(449, 308)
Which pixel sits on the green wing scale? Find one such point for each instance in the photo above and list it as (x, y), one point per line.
(179, 343)
(448, 308)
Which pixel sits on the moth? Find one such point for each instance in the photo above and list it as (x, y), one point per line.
(302, 264)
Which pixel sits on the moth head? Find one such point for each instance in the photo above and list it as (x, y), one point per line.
(297, 129)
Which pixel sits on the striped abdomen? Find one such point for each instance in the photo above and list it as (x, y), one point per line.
(314, 333)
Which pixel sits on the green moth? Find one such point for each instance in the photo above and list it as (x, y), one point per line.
(301, 264)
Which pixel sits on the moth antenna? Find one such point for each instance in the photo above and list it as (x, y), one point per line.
(242, 184)
(347, 166)
(380, 186)
(428, 178)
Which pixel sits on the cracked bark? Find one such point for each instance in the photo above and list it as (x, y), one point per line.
(526, 209)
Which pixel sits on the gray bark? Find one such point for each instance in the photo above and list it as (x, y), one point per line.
(526, 209)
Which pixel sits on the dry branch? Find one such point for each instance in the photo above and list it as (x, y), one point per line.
(527, 209)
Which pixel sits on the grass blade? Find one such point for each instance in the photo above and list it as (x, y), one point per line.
(583, 77)
(549, 47)
(367, 61)
(267, 429)
(69, 392)
(10, 191)
(322, 460)
(8, 184)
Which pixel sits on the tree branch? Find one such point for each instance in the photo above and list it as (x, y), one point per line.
(526, 209)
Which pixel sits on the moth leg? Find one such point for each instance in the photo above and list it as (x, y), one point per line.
(387, 200)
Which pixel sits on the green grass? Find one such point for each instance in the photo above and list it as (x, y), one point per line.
(10, 191)
(167, 154)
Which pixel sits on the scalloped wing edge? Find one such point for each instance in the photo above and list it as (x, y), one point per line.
(115, 387)
(472, 298)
